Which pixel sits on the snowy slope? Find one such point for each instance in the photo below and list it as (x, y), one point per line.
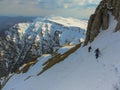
(80, 71)
(26, 41)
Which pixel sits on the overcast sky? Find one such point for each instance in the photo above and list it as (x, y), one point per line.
(69, 8)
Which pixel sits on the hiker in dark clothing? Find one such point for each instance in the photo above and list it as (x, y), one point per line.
(89, 49)
(97, 53)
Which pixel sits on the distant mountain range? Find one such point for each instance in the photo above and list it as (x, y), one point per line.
(6, 22)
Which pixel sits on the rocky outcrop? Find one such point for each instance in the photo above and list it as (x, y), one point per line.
(88, 33)
(100, 19)
(105, 20)
(118, 25)
(3, 69)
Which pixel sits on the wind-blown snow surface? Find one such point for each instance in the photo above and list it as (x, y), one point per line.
(80, 71)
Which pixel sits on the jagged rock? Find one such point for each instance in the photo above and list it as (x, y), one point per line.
(3, 70)
(105, 20)
(95, 26)
(101, 18)
(118, 26)
(91, 19)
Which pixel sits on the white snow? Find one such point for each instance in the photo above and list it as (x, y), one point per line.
(81, 70)
(70, 22)
(72, 30)
(64, 49)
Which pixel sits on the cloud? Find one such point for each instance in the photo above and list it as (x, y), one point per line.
(55, 4)
(47, 7)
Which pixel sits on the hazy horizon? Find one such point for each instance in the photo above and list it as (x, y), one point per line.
(65, 8)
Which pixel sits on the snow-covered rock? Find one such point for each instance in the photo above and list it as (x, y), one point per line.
(80, 71)
(27, 41)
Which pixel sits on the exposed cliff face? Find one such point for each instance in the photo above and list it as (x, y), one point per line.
(100, 19)
(27, 41)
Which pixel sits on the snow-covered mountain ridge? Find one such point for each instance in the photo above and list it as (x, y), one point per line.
(25, 42)
(80, 71)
